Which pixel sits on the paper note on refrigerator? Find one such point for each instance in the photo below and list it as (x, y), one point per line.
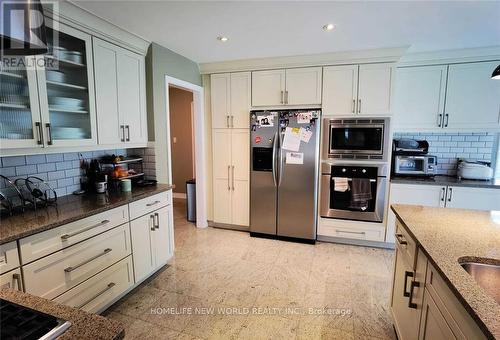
(304, 117)
(305, 135)
(291, 141)
(294, 158)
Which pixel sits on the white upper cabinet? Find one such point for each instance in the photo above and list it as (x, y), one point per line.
(120, 95)
(230, 100)
(268, 88)
(298, 86)
(220, 94)
(472, 97)
(374, 89)
(357, 89)
(419, 96)
(340, 87)
(303, 86)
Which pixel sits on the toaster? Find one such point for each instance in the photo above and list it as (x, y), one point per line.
(474, 170)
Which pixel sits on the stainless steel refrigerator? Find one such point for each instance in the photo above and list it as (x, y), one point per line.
(284, 173)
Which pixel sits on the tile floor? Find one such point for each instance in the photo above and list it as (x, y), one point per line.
(224, 284)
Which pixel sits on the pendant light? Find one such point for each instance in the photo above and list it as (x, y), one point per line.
(496, 73)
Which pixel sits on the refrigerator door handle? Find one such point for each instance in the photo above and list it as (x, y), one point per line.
(280, 170)
(275, 140)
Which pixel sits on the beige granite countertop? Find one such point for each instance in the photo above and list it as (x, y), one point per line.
(83, 325)
(446, 235)
(68, 209)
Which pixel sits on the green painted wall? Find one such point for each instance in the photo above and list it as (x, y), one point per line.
(161, 61)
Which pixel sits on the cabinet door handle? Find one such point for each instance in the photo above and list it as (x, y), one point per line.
(40, 133)
(108, 287)
(232, 176)
(446, 118)
(286, 97)
(67, 236)
(232, 121)
(407, 275)
(122, 127)
(70, 269)
(228, 176)
(440, 119)
(401, 240)
(128, 133)
(152, 203)
(49, 133)
(443, 193)
(450, 193)
(282, 101)
(17, 278)
(227, 120)
(350, 232)
(353, 105)
(359, 105)
(157, 224)
(411, 304)
(152, 217)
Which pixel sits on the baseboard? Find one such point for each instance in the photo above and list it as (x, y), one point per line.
(179, 195)
(228, 226)
(354, 242)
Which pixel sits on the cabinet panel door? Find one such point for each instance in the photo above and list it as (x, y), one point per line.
(303, 86)
(433, 325)
(268, 88)
(472, 97)
(340, 86)
(220, 94)
(222, 201)
(131, 96)
(162, 235)
(240, 154)
(240, 100)
(19, 108)
(221, 153)
(12, 280)
(473, 198)
(428, 195)
(374, 89)
(240, 203)
(405, 319)
(141, 231)
(419, 97)
(108, 119)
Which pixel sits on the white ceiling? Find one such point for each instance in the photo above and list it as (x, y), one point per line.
(279, 28)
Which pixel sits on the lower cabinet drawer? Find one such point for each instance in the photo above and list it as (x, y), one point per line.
(11, 280)
(9, 257)
(360, 233)
(100, 290)
(149, 204)
(58, 272)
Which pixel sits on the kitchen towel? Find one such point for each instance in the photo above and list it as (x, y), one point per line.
(341, 184)
(361, 193)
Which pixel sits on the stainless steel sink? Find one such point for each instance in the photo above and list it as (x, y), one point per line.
(486, 275)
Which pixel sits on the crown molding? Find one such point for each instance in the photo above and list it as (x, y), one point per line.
(451, 56)
(77, 17)
(324, 59)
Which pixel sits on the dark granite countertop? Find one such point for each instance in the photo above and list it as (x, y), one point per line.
(448, 180)
(83, 325)
(68, 209)
(448, 236)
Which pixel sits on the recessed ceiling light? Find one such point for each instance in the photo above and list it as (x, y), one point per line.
(222, 38)
(329, 27)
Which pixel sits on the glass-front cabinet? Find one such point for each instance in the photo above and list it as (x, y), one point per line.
(53, 102)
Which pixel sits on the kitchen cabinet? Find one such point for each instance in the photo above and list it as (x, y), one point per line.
(452, 97)
(152, 241)
(120, 94)
(433, 324)
(472, 97)
(473, 198)
(419, 96)
(298, 86)
(9, 257)
(358, 89)
(230, 100)
(12, 279)
(66, 89)
(231, 176)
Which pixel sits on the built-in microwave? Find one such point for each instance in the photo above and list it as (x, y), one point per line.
(363, 138)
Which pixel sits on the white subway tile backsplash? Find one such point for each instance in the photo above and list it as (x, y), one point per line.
(449, 147)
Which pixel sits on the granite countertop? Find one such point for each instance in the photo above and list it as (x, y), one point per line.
(447, 235)
(68, 209)
(448, 180)
(83, 325)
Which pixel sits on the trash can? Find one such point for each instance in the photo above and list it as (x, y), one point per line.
(191, 200)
